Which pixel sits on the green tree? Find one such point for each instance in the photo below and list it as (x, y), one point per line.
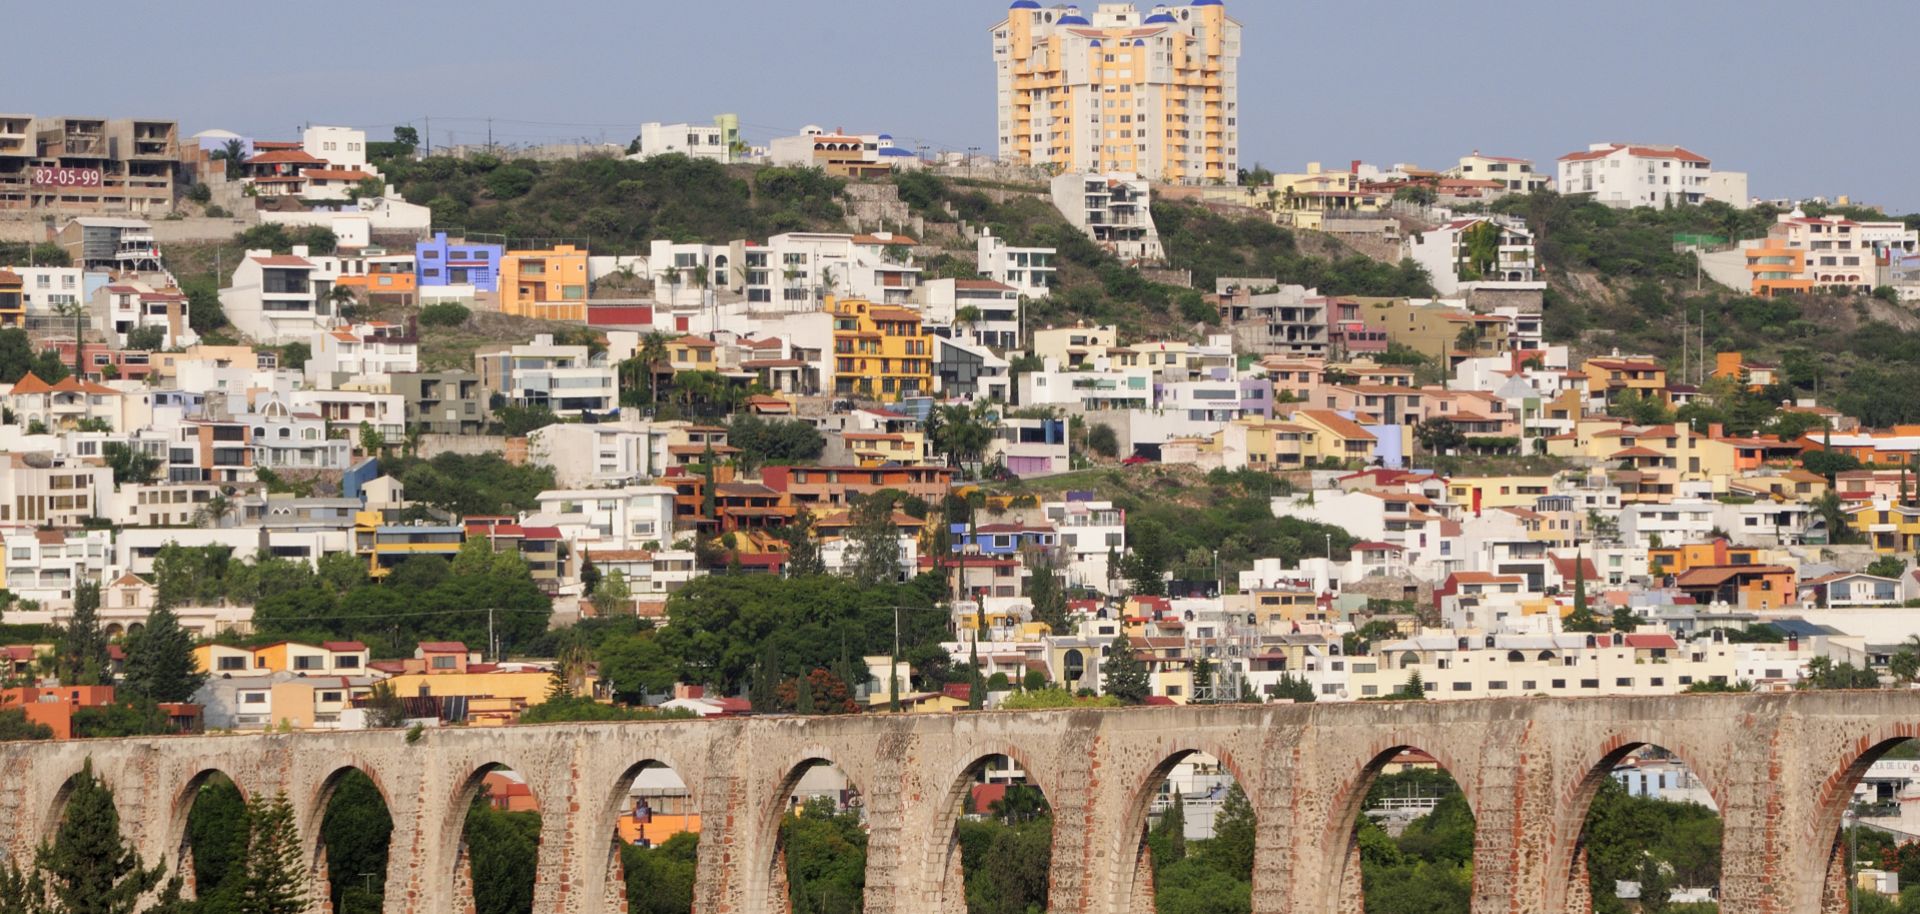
(1167, 839)
(15, 726)
(502, 848)
(826, 853)
(129, 464)
(160, 665)
(89, 868)
(876, 543)
(803, 550)
(217, 833)
(80, 650)
(1123, 675)
(1048, 594)
(660, 879)
(1102, 440)
(1887, 566)
(612, 594)
(276, 866)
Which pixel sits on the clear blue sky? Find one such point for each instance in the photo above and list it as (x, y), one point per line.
(1808, 100)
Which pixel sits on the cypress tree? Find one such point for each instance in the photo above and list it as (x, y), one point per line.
(89, 868)
(80, 655)
(160, 664)
(1126, 677)
(276, 876)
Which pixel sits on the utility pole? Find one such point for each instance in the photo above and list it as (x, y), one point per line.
(493, 646)
(429, 137)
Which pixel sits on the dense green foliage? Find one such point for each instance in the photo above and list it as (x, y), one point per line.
(1005, 858)
(160, 665)
(88, 867)
(444, 314)
(217, 834)
(1428, 869)
(18, 356)
(471, 483)
(425, 598)
(660, 879)
(1211, 875)
(755, 631)
(776, 441)
(1659, 843)
(615, 205)
(826, 855)
(14, 725)
(574, 708)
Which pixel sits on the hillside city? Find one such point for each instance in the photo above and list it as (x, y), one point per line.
(339, 430)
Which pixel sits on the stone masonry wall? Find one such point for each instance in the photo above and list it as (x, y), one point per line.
(1781, 768)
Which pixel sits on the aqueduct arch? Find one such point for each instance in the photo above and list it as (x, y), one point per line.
(1780, 766)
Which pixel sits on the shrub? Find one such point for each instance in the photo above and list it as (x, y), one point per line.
(444, 314)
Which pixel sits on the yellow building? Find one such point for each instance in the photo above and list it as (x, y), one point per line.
(494, 697)
(1333, 438)
(1489, 492)
(383, 546)
(549, 284)
(1893, 529)
(1064, 77)
(881, 351)
(333, 658)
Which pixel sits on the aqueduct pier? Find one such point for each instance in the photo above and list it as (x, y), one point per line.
(1781, 768)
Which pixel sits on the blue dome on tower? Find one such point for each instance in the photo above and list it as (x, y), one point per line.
(1025, 5)
(1208, 3)
(1156, 18)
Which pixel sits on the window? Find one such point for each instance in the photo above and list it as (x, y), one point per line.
(1559, 683)
(1625, 682)
(443, 663)
(309, 662)
(1589, 683)
(232, 663)
(1462, 686)
(253, 698)
(1497, 685)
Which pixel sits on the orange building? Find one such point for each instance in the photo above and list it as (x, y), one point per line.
(548, 284)
(383, 278)
(1681, 559)
(13, 304)
(1741, 586)
(54, 706)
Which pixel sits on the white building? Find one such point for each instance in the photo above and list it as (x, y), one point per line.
(341, 147)
(288, 439)
(1115, 210)
(634, 517)
(718, 141)
(981, 311)
(1097, 389)
(1089, 531)
(564, 379)
(131, 304)
(1451, 259)
(279, 298)
(47, 565)
(1030, 271)
(369, 351)
(1517, 174)
(385, 413)
(1683, 520)
(607, 453)
(1618, 174)
(44, 291)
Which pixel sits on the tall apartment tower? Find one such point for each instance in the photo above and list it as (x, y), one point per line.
(1156, 95)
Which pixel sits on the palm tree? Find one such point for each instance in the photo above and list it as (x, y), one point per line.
(697, 274)
(234, 153)
(653, 351)
(215, 510)
(342, 298)
(76, 312)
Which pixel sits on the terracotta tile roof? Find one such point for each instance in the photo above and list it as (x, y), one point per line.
(285, 157)
(1337, 424)
(30, 383)
(336, 174)
(1644, 152)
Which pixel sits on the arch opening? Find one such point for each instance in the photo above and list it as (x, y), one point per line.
(1410, 838)
(999, 851)
(211, 845)
(354, 842)
(499, 851)
(820, 842)
(654, 860)
(1869, 815)
(1196, 838)
(1649, 836)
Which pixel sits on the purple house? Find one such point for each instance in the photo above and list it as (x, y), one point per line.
(457, 262)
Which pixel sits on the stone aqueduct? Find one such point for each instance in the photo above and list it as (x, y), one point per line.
(1780, 767)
